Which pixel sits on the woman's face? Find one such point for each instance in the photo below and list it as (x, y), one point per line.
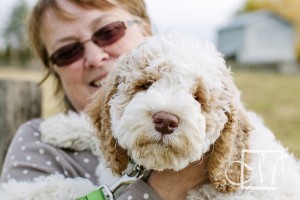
(80, 79)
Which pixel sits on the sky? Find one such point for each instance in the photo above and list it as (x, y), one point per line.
(201, 18)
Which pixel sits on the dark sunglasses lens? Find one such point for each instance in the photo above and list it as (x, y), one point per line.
(67, 54)
(109, 34)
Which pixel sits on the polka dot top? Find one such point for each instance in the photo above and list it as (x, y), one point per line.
(28, 157)
(139, 190)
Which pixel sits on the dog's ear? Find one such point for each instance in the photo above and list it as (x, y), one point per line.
(98, 110)
(225, 161)
(225, 168)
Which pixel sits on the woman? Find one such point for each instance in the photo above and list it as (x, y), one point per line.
(78, 41)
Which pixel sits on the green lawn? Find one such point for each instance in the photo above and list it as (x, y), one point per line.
(276, 98)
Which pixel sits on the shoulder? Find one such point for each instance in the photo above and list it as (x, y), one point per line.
(30, 156)
(23, 151)
(27, 132)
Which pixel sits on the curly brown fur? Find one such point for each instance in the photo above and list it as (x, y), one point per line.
(227, 149)
(98, 110)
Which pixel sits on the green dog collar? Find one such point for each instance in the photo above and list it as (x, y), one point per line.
(104, 192)
(95, 195)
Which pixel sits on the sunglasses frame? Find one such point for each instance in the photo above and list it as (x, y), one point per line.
(77, 48)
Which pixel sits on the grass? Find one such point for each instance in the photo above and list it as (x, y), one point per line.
(275, 97)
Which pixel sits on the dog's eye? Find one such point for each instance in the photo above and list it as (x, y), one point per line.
(201, 100)
(146, 86)
(196, 97)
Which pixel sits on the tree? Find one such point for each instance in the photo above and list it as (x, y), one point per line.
(252, 5)
(15, 35)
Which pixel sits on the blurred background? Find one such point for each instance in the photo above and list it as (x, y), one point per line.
(260, 40)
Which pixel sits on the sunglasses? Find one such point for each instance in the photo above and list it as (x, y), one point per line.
(104, 36)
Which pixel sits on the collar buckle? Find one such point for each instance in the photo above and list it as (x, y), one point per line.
(137, 172)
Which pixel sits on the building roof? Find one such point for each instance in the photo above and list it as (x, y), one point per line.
(249, 18)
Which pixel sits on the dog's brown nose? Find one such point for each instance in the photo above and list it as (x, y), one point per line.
(165, 123)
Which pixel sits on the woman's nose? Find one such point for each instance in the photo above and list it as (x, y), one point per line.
(95, 56)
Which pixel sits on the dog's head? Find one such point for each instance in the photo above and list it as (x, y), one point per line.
(167, 103)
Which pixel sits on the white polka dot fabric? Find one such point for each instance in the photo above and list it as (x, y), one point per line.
(28, 157)
(139, 190)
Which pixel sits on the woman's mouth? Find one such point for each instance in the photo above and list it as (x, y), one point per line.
(96, 83)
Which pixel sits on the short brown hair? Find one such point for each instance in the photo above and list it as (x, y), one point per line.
(134, 7)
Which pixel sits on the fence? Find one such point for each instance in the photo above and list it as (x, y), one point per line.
(19, 102)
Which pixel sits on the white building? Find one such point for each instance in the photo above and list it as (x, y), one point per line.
(259, 37)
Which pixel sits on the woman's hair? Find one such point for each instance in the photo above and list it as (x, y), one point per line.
(134, 7)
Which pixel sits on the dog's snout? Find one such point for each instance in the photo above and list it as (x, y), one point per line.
(164, 122)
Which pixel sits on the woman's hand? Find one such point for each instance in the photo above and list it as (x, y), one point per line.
(171, 184)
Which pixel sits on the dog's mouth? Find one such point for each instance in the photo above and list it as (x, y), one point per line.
(165, 139)
(165, 151)
(160, 140)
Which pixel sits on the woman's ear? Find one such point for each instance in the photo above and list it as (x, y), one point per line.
(98, 110)
(145, 28)
(225, 162)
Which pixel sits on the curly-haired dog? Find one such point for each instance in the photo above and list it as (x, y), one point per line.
(173, 99)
